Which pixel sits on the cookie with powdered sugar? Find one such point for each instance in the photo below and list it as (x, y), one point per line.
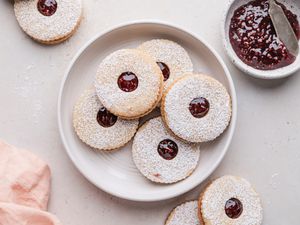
(196, 108)
(161, 157)
(184, 214)
(230, 200)
(128, 83)
(99, 128)
(172, 59)
(48, 21)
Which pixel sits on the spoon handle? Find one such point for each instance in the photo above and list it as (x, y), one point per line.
(283, 28)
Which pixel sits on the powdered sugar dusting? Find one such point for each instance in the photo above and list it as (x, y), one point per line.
(152, 165)
(274, 181)
(28, 88)
(129, 104)
(221, 190)
(170, 53)
(96, 136)
(184, 214)
(48, 28)
(176, 108)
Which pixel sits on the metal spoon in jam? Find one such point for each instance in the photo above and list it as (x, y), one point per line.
(283, 28)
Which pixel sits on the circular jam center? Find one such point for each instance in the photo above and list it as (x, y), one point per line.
(167, 149)
(233, 208)
(47, 7)
(105, 118)
(164, 69)
(128, 82)
(199, 107)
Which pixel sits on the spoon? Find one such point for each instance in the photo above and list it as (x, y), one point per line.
(283, 28)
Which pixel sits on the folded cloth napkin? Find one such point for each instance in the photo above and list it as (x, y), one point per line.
(13, 214)
(24, 188)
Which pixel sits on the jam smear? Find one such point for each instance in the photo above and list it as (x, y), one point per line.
(164, 69)
(47, 7)
(128, 82)
(233, 208)
(106, 118)
(167, 149)
(253, 36)
(199, 107)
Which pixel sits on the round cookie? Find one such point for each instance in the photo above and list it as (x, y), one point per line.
(196, 108)
(172, 59)
(186, 213)
(230, 200)
(160, 157)
(97, 127)
(48, 21)
(129, 83)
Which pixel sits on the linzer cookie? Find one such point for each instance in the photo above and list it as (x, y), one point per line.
(99, 128)
(160, 157)
(48, 21)
(172, 59)
(184, 214)
(196, 108)
(230, 200)
(129, 83)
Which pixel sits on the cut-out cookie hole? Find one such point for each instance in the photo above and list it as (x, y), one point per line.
(167, 149)
(47, 7)
(128, 82)
(164, 69)
(105, 118)
(199, 107)
(233, 208)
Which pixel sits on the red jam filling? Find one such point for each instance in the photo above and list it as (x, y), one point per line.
(167, 149)
(233, 208)
(128, 82)
(199, 107)
(253, 37)
(105, 118)
(164, 69)
(47, 7)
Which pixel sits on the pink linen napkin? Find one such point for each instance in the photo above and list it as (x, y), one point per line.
(13, 214)
(24, 188)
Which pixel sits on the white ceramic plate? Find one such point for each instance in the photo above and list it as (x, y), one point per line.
(115, 172)
(294, 6)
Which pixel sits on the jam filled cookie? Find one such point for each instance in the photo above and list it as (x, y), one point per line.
(48, 21)
(160, 157)
(129, 83)
(184, 214)
(99, 128)
(196, 108)
(171, 58)
(230, 200)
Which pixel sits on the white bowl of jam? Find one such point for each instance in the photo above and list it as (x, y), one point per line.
(251, 41)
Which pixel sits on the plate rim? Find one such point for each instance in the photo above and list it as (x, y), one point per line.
(232, 123)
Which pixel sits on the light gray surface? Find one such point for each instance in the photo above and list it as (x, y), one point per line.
(265, 147)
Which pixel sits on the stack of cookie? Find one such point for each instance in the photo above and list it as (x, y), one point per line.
(129, 84)
(227, 200)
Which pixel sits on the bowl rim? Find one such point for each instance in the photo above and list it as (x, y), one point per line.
(262, 74)
(232, 123)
